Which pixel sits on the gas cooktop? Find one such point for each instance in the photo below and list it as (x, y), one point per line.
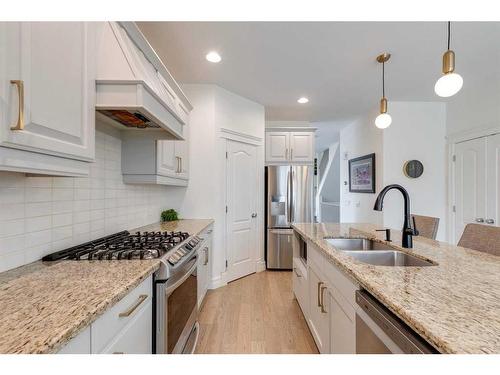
(124, 245)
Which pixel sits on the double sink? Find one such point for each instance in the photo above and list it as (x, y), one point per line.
(376, 253)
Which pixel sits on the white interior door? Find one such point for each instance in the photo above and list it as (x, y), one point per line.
(242, 190)
(470, 184)
(493, 177)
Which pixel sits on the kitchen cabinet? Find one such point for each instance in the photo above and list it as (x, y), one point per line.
(124, 328)
(319, 320)
(342, 326)
(204, 264)
(290, 147)
(48, 88)
(146, 160)
(47, 92)
(301, 286)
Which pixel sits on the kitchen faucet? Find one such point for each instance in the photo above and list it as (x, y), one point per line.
(408, 232)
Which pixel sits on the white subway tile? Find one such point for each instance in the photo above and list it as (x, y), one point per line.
(37, 194)
(96, 215)
(81, 205)
(61, 233)
(81, 217)
(38, 209)
(34, 224)
(81, 228)
(11, 244)
(11, 179)
(38, 238)
(11, 211)
(11, 228)
(62, 194)
(63, 182)
(97, 225)
(82, 194)
(41, 182)
(11, 260)
(12, 195)
(37, 252)
(62, 207)
(61, 220)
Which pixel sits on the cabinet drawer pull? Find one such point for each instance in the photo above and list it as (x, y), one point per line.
(180, 162)
(295, 270)
(141, 299)
(118, 353)
(20, 114)
(206, 256)
(291, 153)
(323, 300)
(319, 288)
(286, 154)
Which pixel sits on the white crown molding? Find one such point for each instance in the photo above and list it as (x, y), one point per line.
(472, 134)
(290, 129)
(240, 137)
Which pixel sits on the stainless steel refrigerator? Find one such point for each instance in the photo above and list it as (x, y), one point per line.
(289, 195)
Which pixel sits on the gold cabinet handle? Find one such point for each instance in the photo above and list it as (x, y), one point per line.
(319, 299)
(20, 114)
(141, 299)
(118, 353)
(323, 300)
(291, 153)
(206, 256)
(180, 160)
(286, 153)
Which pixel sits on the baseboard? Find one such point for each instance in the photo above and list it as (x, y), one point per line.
(260, 266)
(217, 282)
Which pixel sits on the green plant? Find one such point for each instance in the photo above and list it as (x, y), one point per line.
(169, 215)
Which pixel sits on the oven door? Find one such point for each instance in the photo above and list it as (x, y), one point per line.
(177, 317)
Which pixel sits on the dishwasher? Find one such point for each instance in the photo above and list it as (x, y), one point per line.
(379, 331)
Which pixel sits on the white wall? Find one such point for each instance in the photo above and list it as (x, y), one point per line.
(358, 139)
(41, 215)
(417, 132)
(287, 124)
(475, 107)
(214, 109)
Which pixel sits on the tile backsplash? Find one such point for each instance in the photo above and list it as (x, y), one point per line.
(40, 215)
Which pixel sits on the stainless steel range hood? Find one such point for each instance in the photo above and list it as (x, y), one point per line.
(134, 89)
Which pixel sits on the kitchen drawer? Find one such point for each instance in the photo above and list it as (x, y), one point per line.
(344, 284)
(300, 286)
(342, 302)
(315, 258)
(136, 337)
(110, 324)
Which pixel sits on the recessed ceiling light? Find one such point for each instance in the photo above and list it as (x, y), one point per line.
(213, 57)
(303, 100)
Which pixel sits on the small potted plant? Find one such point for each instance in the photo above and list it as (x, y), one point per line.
(169, 215)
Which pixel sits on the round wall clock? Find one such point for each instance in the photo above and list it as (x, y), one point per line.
(413, 169)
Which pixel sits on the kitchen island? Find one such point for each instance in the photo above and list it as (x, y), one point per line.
(454, 305)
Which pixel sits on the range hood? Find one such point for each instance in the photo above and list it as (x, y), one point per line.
(134, 89)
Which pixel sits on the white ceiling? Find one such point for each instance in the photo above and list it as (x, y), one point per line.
(332, 63)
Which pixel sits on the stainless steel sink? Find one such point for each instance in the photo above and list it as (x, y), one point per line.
(390, 258)
(357, 244)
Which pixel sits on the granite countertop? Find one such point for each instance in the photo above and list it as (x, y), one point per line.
(454, 305)
(43, 305)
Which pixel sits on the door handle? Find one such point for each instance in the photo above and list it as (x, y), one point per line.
(323, 299)
(291, 153)
(254, 215)
(20, 112)
(479, 220)
(319, 288)
(490, 221)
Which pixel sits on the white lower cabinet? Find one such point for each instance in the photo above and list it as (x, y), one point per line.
(203, 273)
(126, 328)
(319, 320)
(300, 285)
(332, 308)
(342, 328)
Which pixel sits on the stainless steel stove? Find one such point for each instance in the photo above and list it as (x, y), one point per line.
(175, 326)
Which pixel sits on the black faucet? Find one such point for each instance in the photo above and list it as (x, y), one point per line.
(408, 232)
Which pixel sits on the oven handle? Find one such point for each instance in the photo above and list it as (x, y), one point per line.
(196, 328)
(172, 285)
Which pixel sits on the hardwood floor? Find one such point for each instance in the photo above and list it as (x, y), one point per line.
(255, 314)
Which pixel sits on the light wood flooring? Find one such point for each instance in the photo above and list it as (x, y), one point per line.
(255, 314)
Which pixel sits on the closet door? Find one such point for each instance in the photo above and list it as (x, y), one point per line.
(470, 184)
(493, 180)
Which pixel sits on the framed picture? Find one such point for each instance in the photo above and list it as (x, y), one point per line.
(362, 174)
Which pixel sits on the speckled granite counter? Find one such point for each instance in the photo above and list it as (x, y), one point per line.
(43, 305)
(455, 305)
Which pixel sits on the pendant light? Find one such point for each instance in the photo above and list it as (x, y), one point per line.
(384, 119)
(450, 83)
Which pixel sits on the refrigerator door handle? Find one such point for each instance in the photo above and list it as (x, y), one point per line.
(288, 197)
(292, 173)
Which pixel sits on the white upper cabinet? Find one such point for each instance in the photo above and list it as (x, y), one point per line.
(290, 147)
(301, 146)
(48, 89)
(277, 146)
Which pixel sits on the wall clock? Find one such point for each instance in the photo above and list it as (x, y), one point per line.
(413, 168)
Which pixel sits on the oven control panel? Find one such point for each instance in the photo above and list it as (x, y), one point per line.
(184, 250)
